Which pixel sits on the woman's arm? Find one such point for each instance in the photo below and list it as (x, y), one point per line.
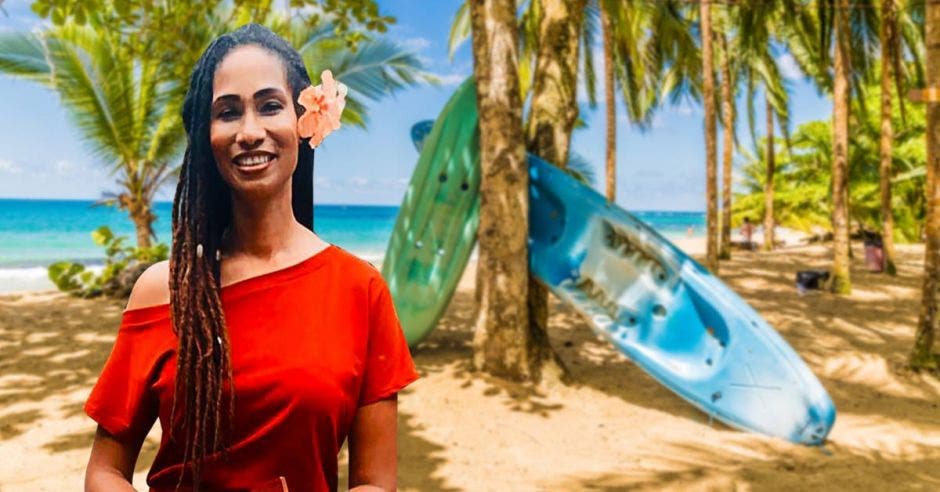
(373, 447)
(111, 465)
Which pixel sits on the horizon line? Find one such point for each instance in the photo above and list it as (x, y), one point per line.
(315, 204)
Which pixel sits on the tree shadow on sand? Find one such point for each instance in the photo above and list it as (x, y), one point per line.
(760, 466)
(838, 336)
(48, 348)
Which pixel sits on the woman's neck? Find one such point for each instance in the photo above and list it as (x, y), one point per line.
(262, 228)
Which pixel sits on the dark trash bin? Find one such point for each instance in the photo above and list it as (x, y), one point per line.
(874, 252)
(810, 279)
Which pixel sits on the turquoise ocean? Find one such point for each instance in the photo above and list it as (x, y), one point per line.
(35, 233)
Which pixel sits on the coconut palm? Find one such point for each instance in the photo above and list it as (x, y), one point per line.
(841, 35)
(759, 28)
(555, 38)
(711, 158)
(804, 174)
(898, 33)
(118, 103)
(504, 344)
(922, 355)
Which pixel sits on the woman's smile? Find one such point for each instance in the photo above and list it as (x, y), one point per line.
(253, 162)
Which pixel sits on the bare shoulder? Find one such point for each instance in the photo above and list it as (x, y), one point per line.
(152, 287)
(353, 264)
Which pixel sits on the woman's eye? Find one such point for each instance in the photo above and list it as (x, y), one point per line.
(227, 114)
(271, 107)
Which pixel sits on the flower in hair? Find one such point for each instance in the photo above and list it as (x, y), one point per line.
(323, 105)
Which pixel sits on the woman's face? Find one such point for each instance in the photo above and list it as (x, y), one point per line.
(253, 129)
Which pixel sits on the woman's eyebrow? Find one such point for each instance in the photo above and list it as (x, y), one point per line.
(267, 91)
(226, 98)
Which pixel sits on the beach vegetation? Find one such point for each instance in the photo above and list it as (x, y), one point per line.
(122, 265)
(804, 175)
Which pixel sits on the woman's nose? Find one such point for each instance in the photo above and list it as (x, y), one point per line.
(251, 133)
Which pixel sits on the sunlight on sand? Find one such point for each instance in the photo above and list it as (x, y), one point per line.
(612, 428)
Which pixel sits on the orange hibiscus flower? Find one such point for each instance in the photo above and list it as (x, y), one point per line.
(323, 105)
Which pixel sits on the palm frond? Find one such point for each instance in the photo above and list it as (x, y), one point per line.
(22, 56)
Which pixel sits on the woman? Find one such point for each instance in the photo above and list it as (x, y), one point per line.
(252, 299)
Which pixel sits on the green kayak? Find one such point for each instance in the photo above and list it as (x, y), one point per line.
(437, 223)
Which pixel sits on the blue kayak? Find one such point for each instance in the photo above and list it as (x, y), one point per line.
(662, 309)
(668, 314)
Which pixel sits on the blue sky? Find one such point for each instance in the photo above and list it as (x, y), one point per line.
(41, 155)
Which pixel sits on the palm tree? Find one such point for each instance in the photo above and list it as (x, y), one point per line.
(727, 147)
(897, 32)
(631, 46)
(841, 278)
(922, 354)
(503, 342)
(759, 27)
(852, 28)
(126, 101)
(887, 37)
(118, 103)
(711, 166)
(610, 107)
(552, 116)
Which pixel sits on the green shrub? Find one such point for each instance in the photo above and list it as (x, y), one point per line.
(74, 279)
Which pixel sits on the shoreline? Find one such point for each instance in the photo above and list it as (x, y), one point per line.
(34, 279)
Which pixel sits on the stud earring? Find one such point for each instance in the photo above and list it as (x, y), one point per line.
(218, 255)
(199, 250)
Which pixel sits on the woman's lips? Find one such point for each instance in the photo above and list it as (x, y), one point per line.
(253, 163)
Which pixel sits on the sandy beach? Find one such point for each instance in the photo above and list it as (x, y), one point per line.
(613, 428)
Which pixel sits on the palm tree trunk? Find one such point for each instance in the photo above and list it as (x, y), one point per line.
(554, 108)
(552, 116)
(927, 325)
(503, 342)
(139, 208)
(887, 62)
(727, 148)
(771, 158)
(143, 223)
(841, 280)
(611, 108)
(711, 167)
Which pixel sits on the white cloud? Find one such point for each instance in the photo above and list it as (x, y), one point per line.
(658, 121)
(393, 183)
(64, 167)
(788, 67)
(425, 60)
(415, 44)
(452, 78)
(8, 167)
(323, 183)
(685, 108)
(358, 181)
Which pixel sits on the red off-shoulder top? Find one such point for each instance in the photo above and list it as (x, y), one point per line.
(310, 344)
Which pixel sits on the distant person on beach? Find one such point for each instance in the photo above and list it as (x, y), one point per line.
(690, 231)
(747, 230)
(259, 346)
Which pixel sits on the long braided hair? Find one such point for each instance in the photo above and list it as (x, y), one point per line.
(202, 209)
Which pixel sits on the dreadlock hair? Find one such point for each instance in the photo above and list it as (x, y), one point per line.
(202, 209)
